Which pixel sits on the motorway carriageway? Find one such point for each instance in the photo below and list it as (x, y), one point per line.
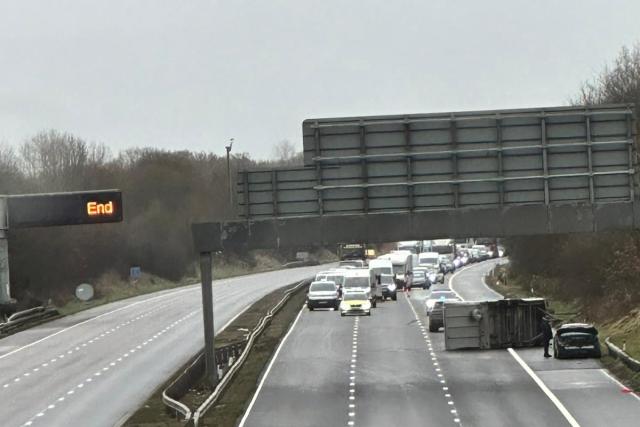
(387, 369)
(96, 367)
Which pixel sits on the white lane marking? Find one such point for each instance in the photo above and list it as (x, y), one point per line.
(352, 379)
(266, 373)
(466, 268)
(633, 393)
(95, 318)
(438, 371)
(81, 385)
(572, 421)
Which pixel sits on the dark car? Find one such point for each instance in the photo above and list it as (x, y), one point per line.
(436, 315)
(323, 294)
(576, 340)
(388, 287)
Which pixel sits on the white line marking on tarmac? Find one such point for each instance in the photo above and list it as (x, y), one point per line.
(266, 373)
(572, 421)
(437, 369)
(195, 288)
(634, 394)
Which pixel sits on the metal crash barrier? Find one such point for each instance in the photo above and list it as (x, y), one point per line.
(493, 324)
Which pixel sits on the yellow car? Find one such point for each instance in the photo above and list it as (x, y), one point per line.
(355, 303)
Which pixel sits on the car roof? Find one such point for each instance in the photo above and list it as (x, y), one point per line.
(316, 282)
(576, 326)
(357, 272)
(440, 294)
(356, 291)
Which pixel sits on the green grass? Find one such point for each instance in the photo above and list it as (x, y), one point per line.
(623, 330)
(110, 287)
(510, 287)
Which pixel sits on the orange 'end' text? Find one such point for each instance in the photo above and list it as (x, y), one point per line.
(99, 209)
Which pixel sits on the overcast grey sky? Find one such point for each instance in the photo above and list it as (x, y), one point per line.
(189, 74)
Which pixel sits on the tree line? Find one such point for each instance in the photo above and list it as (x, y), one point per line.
(163, 193)
(600, 271)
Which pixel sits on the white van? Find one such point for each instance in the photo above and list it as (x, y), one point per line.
(378, 267)
(358, 280)
(429, 259)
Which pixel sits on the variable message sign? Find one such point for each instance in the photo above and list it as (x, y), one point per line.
(75, 208)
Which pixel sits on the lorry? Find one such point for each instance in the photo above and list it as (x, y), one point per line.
(347, 251)
(413, 246)
(444, 246)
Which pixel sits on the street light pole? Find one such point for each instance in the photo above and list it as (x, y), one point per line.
(206, 276)
(5, 291)
(228, 148)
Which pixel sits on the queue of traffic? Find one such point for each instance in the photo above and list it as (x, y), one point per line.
(357, 284)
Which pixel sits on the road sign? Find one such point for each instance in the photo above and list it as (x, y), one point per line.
(86, 207)
(135, 273)
(84, 292)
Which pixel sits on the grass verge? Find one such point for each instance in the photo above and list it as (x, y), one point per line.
(234, 400)
(111, 287)
(623, 331)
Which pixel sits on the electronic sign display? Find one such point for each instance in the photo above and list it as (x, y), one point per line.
(83, 207)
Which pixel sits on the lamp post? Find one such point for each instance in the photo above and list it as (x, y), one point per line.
(228, 148)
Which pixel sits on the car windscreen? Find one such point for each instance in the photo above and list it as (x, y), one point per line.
(354, 297)
(442, 295)
(418, 274)
(398, 268)
(322, 287)
(351, 263)
(380, 270)
(577, 338)
(428, 260)
(356, 282)
(386, 280)
(577, 329)
(338, 280)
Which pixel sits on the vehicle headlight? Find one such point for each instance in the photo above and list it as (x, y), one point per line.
(344, 306)
(392, 287)
(366, 305)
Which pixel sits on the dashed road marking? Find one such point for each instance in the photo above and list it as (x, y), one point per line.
(436, 367)
(88, 380)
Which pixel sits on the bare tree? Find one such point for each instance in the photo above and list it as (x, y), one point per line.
(60, 161)
(285, 154)
(10, 175)
(618, 83)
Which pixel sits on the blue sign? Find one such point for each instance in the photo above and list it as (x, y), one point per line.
(135, 273)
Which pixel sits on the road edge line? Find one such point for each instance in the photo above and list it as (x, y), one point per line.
(94, 318)
(466, 268)
(563, 410)
(266, 372)
(617, 381)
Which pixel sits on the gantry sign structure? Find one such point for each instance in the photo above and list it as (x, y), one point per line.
(444, 175)
(496, 173)
(48, 210)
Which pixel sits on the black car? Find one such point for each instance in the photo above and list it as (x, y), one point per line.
(576, 340)
(388, 287)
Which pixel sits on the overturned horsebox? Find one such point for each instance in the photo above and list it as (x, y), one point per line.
(493, 324)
